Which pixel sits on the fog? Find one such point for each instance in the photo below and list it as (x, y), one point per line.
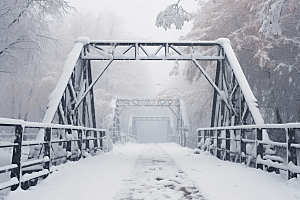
(148, 131)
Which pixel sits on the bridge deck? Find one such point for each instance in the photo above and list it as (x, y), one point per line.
(162, 171)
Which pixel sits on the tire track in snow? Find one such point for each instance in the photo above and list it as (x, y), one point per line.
(156, 176)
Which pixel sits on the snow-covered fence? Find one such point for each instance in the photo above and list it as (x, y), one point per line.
(53, 149)
(246, 144)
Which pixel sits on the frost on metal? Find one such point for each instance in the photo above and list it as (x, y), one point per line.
(83, 40)
(239, 74)
(173, 14)
(55, 96)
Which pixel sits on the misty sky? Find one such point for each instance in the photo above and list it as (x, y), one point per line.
(139, 15)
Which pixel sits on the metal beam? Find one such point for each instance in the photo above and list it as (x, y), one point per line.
(147, 102)
(150, 118)
(132, 50)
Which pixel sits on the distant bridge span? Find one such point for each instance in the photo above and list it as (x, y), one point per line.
(176, 106)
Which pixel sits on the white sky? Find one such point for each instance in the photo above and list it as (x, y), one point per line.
(139, 15)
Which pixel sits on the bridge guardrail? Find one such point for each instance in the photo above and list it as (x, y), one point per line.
(177, 138)
(125, 138)
(88, 140)
(246, 144)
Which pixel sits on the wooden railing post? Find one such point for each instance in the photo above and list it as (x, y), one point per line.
(16, 157)
(47, 145)
(259, 148)
(291, 151)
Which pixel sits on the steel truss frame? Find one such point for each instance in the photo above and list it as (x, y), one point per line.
(233, 100)
(135, 50)
(121, 104)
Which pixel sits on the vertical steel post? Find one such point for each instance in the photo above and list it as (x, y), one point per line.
(96, 140)
(260, 148)
(204, 136)
(199, 135)
(47, 145)
(243, 121)
(218, 144)
(291, 151)
(16, 157)
(227, 144)
(69, 143)
(87, 141)
(101, 140)
(80, 142)
(243, 147)
(90, 81)
(84, 104)
(215, 97)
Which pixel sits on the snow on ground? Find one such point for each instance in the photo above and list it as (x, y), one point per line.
(96, 177)
(218, 179)
(158, 171)
(156, 176)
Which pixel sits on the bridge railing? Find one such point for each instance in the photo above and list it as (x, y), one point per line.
(53, 150)
(123, 138)
(177, 138)
(245, 144)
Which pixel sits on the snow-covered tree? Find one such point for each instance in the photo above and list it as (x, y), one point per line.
(24, 40)
(24, 27)
(265, 37)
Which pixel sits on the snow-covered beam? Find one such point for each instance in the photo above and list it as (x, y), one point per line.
(56, 95)
(243, 83)
(150, 118)
(152, 50)
(147, 102)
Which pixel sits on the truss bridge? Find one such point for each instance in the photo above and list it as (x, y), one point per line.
(69, 130)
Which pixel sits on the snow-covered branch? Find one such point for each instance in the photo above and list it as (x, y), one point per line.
(271, 15)
(173, 14)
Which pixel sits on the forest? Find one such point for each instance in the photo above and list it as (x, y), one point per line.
(264, 34)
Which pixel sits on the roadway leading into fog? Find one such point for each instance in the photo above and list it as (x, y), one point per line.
(158, 171)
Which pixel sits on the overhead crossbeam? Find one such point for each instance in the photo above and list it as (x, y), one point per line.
(147, 102)
(134, 50)
(150, 118)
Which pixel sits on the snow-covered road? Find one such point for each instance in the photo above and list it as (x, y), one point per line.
(158, 171)
(157, 176)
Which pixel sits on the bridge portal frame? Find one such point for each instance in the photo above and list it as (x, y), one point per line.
(72, 101)
(181, 125)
